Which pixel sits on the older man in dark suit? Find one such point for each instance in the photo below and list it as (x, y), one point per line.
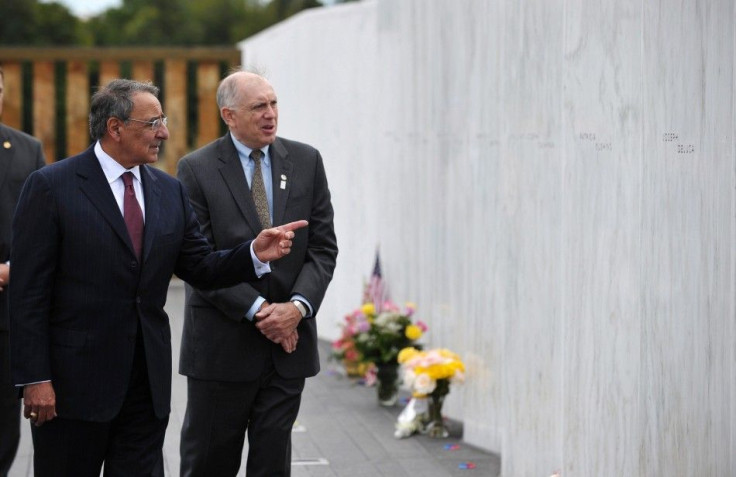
(20, 154)
(97, 238)
(247, 350)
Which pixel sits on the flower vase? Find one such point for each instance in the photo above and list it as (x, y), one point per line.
(354, 369)
(436, 426)
(387, 383)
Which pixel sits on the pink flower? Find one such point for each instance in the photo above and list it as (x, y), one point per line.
(370, 376)
(390, 306)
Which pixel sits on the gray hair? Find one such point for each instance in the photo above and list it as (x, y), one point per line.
(115, 100)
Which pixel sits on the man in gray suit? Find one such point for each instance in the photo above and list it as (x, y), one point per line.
(247, 350)
(20, 154)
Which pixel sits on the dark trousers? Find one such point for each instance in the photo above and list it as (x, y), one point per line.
(219, 414)
(9, 409)
(129, 445)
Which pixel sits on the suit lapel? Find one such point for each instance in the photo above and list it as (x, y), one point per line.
(93, 183)
(234, 177)
(152, 196)
(281, 167)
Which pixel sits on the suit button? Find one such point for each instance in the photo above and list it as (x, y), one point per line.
(138, 300)
(134, 264)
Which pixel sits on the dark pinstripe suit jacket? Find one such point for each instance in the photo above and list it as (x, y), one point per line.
(218, 343)
(20, 154)
(78, 293)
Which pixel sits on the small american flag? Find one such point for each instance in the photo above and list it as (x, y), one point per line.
(376, 291)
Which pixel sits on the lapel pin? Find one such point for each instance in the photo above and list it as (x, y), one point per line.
(7, 145)
(283, 182)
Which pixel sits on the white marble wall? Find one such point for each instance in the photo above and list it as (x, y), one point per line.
(552, 181)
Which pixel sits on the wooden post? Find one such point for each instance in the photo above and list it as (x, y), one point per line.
(109, 70)
(77, 107)
(13, 98)
(44, 107)
(143, 71)
(175, 107)
(208, 127)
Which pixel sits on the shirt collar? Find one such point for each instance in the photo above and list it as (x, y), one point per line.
(112, 168)
(244, 151)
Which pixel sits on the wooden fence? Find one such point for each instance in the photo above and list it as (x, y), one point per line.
(47, 92)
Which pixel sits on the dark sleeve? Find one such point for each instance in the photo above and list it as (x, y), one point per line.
(201, 266)
(34, 259)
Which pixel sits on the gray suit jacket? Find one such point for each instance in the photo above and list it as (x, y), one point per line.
(20, 154)
(218, 342)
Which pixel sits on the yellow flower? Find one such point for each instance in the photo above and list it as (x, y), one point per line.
(413, 332)
(368, 309)
(406, 354)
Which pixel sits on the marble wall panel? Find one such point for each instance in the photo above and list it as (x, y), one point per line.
(530, 235)
(730, 330)
(687, 239)
(601, 253)
(453, 198)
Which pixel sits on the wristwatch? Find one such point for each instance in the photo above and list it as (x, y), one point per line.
(301, 307)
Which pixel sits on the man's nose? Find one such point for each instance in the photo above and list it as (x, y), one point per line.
(162, 132)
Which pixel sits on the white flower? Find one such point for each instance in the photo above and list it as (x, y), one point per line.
(409, 378)
(411, 418)
(423, 384)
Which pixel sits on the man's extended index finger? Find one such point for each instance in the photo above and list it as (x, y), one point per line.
(293, 225)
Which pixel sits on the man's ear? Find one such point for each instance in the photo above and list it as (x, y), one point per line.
(227, 115)
(114, 125)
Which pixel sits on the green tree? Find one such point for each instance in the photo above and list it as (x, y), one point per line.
(36, 24)
(189, 22)
(144, 22)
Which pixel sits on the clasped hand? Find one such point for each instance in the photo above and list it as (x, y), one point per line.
(278, 322)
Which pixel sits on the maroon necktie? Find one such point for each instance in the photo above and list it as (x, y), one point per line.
(133, 214)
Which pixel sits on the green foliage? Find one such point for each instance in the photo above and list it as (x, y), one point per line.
(386, 336)
(30, 23)
(143, 22)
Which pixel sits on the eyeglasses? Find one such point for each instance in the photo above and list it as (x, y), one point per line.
(155, 124)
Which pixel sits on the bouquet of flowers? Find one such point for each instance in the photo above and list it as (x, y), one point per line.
(428, 374)
(388, 332)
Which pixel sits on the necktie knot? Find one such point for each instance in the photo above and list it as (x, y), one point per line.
(128, 182)
(256, 155)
